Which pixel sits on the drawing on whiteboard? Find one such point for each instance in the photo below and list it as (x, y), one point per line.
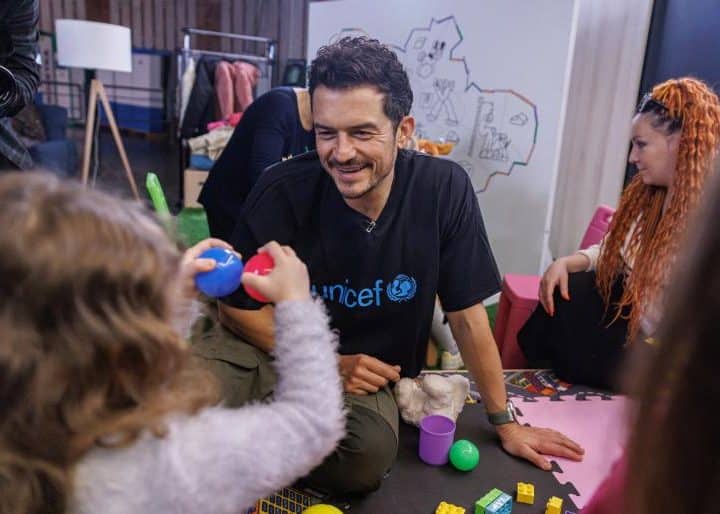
(348, 32)
(494, 130)
(452, 137)
(519, 119)
(443, 102)
(428, 59)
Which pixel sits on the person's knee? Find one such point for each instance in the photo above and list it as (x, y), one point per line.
(365, 455)
(373, 449)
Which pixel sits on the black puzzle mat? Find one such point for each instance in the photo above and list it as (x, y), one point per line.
(414, 487)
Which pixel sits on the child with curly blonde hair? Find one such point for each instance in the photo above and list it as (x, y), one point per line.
(102, 407)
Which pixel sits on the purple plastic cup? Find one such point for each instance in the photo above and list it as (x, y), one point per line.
(436, 437)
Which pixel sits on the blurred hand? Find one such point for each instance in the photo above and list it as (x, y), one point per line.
(556, 275)
(288, 279)
(191, 265)
(363, 374)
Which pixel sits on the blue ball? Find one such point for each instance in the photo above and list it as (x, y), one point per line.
(224, 278)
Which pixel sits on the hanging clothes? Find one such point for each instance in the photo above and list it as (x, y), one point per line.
(186, 84)
(201, 106)
(234, 85)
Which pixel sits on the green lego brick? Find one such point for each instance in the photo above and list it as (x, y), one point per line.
(483, 503)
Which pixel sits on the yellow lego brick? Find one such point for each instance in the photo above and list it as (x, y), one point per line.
(554, 505)
(525, 493)
(449, 508)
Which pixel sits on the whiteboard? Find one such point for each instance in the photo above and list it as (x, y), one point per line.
(491, 76)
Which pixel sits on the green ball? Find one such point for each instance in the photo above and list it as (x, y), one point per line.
(464, 455)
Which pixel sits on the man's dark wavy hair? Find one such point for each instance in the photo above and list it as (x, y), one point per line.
(358, 61)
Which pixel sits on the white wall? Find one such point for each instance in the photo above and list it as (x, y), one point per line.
(607, 66)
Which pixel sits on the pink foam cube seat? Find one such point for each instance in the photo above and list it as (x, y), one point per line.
(519, 296)
(598, 226)
(518, 299)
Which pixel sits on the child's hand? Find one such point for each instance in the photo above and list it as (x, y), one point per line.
(191, 265)
(288, 280)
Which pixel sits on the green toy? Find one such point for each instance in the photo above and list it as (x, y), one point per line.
(464, 455)
(154, 189)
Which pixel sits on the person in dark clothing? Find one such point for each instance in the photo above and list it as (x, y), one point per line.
(383, 231)
(277, 125)
(19, 74)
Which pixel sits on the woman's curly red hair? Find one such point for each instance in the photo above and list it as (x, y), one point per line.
(655, 237)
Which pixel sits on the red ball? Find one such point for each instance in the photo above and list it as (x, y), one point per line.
(260, 264)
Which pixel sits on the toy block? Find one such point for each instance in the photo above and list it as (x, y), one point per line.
(554, 505)
(449, 508)
(525, 493)
(483, 503)
(500, 505)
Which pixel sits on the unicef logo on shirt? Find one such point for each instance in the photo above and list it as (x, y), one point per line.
(401, 289)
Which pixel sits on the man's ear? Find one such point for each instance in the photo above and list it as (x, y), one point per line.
(405, 131)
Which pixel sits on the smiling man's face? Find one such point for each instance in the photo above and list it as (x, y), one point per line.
(356, 141)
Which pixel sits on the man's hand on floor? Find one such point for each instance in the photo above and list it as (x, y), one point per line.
(532, 443)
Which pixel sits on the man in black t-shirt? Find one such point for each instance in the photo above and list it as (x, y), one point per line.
(383, 231)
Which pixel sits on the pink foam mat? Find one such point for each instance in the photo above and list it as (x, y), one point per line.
(598, 425)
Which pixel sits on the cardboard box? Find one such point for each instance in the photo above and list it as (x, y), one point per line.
(193, 181)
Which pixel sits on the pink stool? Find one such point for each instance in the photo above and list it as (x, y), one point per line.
(518, 300)
(519, 296)
(598, 226)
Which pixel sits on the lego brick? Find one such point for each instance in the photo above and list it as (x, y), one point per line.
(501, 505)
(554, 505)
(525, 493)
(449, 508)
(483, 503)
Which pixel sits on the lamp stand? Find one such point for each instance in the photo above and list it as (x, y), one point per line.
(98, 91)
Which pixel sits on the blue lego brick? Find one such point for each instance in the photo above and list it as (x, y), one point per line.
(500, 505)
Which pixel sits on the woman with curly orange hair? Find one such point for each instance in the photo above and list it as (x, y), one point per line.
(586, 319)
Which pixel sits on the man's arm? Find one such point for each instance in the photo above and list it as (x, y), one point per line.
(257, 327)
(471, 330)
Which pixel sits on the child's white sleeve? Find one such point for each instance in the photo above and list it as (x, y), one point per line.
(223, 460)
(237, 456)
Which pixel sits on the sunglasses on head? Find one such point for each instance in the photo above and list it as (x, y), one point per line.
(648, 102)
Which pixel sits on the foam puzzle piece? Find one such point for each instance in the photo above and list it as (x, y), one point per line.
(596, 423)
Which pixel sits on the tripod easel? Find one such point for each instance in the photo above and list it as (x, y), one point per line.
(98, 91)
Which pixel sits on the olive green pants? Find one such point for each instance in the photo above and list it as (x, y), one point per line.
(370, 446)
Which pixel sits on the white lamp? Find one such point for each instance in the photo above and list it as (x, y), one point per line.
(96, 46)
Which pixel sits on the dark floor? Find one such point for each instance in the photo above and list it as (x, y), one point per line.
(153, 152)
